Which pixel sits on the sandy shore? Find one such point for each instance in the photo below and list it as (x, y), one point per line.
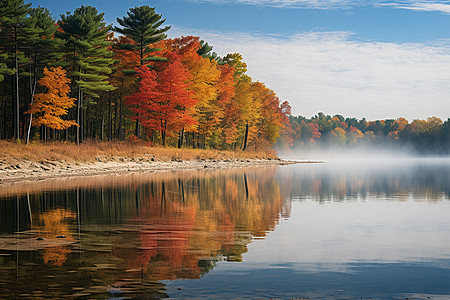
(19, 171)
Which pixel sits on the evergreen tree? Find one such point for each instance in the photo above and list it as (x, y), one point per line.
(142, 26)
(15, 31)
(86, 48)
(4, 70)
(44, 50)
(206, 51)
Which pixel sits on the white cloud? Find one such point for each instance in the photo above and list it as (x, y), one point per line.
(426, 5)
(439, 6)
(333, 73)
(319, 4)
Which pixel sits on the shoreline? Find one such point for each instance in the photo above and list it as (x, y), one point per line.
(24, 171)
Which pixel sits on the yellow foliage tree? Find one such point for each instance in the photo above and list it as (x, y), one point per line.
(339, 136)
(354, 135)
(205, 77)
(50, 106)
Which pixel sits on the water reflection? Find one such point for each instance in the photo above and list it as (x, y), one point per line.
(55, 224)
(334, 230)
(123, 240)
(400, 179)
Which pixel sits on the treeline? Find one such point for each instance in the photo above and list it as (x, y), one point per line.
(430, 135)
(78, 78)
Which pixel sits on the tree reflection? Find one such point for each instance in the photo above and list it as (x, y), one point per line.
(134, 234)
(185, 225)
(53, 224)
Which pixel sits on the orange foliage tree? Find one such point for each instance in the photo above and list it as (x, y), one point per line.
(51, 106)
(203, 79)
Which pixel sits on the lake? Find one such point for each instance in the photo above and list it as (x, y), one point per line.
(351, 229)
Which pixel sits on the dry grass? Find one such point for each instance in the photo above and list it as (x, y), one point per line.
(89, 151)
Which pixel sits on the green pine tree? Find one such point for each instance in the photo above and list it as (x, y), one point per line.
(16, 30)
(85, 37)
(4, 70)
(44, 50)
(206, 51)
(142, 25)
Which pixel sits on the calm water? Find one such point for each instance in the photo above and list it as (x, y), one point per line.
(339, 230)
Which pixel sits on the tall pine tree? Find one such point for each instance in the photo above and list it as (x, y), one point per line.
(15, 31)
(86, 48)
(43, 50)
(142, 26)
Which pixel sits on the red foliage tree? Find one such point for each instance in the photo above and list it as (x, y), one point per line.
(175, 104)
(140, 101)
(163, 102)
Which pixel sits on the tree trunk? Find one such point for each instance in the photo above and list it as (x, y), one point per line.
(109, 120)
(103, 127)
(32, 92)
(82, 118)
(5, 124)
(120, 120)
(44, 134)
(245, 137)
(137, 127)
(198, 140)
(163, 134)
(115, 119)
(79, 116)
(180, 138)
(17, 104)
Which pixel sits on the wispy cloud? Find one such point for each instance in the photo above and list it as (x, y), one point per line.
(439, 6)
(335, 73)
(426, 5)
(318, 4)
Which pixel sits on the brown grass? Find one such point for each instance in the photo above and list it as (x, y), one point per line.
(88, 152)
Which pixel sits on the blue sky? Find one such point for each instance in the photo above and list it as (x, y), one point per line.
(373, 59)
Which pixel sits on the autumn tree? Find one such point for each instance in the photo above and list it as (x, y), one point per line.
(354, 135)
(163, 100)
(226, 92)
(286, 131)
(175, 89)
(51, 106)
(243, 111)
(270, 123)
(204, 78)
(125, 85)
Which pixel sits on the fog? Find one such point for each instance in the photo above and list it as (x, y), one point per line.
(368, 172)
(362, 155)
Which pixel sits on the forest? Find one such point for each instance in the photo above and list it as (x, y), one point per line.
(420, 136)
(77, 79)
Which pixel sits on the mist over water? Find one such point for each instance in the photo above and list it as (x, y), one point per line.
(356, 175)
(363, 155)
